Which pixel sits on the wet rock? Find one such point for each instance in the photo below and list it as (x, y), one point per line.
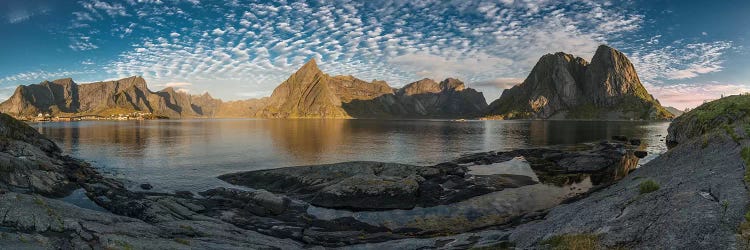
(620, 138)
(146, 186)
(640, 154)
(184, 194)
(635, 142)
(375, 185)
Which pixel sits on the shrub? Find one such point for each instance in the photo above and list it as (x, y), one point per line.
(648, 186)
(573, 242)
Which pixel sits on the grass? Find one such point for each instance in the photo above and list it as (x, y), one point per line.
(585, 111)
(705, 142)
(730, 131)
(573, 242)
(746, 157)
(648, 186)
(716, 114)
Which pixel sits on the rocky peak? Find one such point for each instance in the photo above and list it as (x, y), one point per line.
(566, 85)
(452, 84)
(423, 86)
(64, 81)
(611, 74)
(136, 81)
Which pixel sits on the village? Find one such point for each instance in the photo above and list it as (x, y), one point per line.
(47, 117)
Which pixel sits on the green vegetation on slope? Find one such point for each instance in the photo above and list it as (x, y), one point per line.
(718, 113)
(648, 186)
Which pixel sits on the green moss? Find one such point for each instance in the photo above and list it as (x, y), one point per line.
(124, 245)
(731, 133)
(182, 241)
(648, 186)
(573, 242)
(586, 111)
(717, 114)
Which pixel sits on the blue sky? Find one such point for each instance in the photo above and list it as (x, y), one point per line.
(684, 51)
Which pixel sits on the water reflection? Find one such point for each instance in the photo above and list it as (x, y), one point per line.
(188, 154)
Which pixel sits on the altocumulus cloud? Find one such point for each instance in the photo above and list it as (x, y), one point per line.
(241, 49)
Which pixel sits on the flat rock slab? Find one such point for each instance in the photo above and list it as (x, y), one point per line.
(376, 185)
(362, 186)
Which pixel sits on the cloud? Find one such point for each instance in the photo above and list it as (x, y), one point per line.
(439, 67)
(247, 47)
(672, 62)
(19, 14)
(692, 95)
(176, 84)
(218, 32)
(500, 83)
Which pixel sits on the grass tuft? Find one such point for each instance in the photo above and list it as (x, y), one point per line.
(648, 186)
(573, 242)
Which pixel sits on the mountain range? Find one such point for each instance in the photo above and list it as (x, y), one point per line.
(560, 86)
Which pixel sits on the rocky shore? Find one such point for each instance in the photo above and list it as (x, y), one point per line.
(693, 196)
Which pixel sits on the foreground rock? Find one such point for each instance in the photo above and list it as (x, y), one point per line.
(698, 201)
(377, 186)
(33, 173)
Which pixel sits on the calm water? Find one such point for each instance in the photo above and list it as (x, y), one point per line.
(189, 154)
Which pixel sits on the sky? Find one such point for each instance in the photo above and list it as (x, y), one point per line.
(685, 52)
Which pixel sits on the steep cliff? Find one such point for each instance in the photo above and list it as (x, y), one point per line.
(562, 86)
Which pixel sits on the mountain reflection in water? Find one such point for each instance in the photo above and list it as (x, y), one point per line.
(189, 154)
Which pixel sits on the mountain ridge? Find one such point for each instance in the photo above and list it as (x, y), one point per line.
(559, 86)
(307, 93)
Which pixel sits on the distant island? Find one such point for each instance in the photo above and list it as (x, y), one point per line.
(560, 86)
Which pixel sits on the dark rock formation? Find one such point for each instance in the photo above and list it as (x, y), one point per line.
(561, 86)
(377, 186)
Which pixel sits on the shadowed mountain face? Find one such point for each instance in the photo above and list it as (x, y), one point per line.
(562, 86)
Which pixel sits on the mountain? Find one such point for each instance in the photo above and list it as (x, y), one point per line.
(306, 94)
(310, 93)
(127, 95)
(562, 86)
(674, 111)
